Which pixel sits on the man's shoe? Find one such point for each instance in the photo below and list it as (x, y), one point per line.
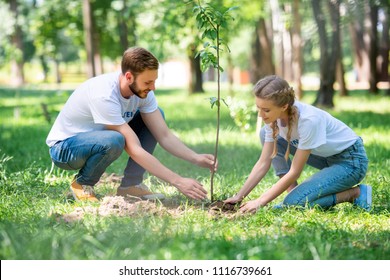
(141, 191)
(365, 198)
(83, 193)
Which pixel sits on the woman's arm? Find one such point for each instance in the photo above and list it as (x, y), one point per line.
(295, 171)
(259, 170)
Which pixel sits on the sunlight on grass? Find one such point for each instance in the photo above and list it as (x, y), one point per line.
(34, 198)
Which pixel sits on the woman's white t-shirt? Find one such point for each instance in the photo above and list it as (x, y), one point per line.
(95, 103)
(316, 130)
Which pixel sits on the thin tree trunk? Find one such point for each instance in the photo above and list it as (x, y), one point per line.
(261, 54)
(88, 37)
(97, 57)
(372, 20)
(58, 73)
(17, 62)
(384, 47)
(230, 73)
(122, 25)
(297, 58)
(196, 75)
(330, 51)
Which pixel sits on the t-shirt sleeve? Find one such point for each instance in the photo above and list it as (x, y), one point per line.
(106, 111)
(149, 104)
(268, 133)
(312, 133)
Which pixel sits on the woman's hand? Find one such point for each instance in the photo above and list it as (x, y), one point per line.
(234, 199)
(251, 206)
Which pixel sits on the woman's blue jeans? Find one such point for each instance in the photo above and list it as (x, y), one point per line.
(92, 152)
(336, 174)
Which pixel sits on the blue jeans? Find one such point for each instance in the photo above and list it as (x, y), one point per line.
(337, 173)
(92, 152)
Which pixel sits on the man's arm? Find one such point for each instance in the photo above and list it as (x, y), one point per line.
(187, 186)
(164, 136)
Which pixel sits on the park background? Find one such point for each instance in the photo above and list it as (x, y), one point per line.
(335, 53)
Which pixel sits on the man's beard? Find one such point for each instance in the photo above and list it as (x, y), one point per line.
(134, 89)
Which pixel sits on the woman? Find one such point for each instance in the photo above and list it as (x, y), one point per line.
(313, 137)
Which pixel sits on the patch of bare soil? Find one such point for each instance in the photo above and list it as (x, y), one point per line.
(175, 206)
(219, 208)
(116, 206)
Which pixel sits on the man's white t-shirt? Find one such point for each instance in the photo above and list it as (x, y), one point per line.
(316, 130)
(95, 103)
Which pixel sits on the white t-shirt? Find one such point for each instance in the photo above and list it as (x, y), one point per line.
(316, 130)
(95, 103)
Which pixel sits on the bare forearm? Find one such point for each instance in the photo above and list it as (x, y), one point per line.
(277, 189)
(257, 174)
(177, 148)
(154, 166)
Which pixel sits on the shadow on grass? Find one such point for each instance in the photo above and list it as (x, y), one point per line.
(363, 119)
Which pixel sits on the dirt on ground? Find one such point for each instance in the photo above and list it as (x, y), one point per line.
(135, 207)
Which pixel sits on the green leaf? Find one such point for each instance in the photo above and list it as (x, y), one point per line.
(224, 101)
(213, 101)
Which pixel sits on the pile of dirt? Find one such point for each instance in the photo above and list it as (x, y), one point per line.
(220, 206)
(116, 206)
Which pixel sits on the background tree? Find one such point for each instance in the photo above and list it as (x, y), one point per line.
(89, 38)
(329, 48)
(370, 49)
(17, 61)
(176, 26)
(296, 41)
(261, 59)
(55, 26)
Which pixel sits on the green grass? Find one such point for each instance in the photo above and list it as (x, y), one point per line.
(33, 200)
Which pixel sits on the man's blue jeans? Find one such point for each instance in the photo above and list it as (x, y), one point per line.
(92, 152)
(337, 173)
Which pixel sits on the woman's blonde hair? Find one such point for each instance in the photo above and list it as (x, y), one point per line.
(278, 91)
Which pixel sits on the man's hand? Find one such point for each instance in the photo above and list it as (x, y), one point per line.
(206, 161)
(191, 188)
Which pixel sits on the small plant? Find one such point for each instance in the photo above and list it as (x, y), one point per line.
(241, 112)
(210, 22)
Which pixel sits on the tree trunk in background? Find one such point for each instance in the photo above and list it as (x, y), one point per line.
(127, 27)
(384, 46)
(17, 62)
(365, 42)
(297, 58)
(196, 77)
(261, 53)
(340, 72)
(57, 71)
(88, 37)
(330, 51)
(360, 51)
(122, 26)
(97, 57)
(278, 24)
(371, 21)
(230, 74)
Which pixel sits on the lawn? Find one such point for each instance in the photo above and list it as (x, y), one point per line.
(40, 220)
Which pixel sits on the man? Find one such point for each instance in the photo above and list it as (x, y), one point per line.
(117, 111)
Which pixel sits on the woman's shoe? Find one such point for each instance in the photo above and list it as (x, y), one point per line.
(364, 200)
